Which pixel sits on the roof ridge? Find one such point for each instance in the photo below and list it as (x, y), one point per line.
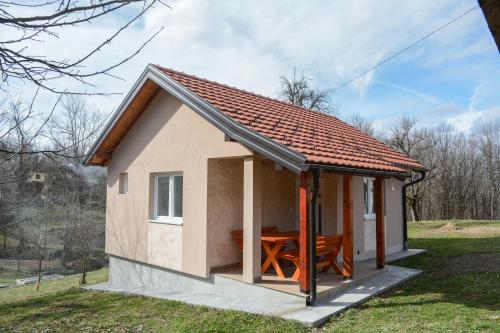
(246, 92)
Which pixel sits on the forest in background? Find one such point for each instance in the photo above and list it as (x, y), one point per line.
(52, 208)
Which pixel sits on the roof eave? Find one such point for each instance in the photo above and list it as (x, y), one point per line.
(114, 118)
(359, 171)
(281, 154)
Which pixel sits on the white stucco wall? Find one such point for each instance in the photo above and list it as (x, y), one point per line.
(170, 137)
(167, 137)
(364, 230)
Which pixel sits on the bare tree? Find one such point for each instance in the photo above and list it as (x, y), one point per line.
(74, 128)
(489, 140)
(406, 139)
(362, 124)
(84, 229)
(24, 25)
(298, 90)
(43, 22)
(38, 233)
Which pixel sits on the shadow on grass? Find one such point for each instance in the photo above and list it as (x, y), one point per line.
(76, 310)
(464, 271)
(439, 251)
(53, 306)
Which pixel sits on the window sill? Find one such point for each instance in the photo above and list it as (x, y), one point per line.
(167, 220)
(369, 217)
(372, 217)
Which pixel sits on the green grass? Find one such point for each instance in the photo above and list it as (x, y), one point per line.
(459, 291)
(28, 293)
(11, 277)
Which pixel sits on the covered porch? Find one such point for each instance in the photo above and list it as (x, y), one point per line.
(319, 202)
(327, 284)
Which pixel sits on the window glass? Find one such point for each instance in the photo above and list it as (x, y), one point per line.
(162, 193)
(168, 196)
(177, 196)
(368, 194)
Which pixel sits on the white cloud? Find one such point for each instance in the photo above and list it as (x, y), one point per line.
(428, 98)
(250, 43)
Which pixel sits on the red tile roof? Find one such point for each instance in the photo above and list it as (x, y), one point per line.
(323, 139)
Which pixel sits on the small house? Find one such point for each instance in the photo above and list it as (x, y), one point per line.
(212, 189)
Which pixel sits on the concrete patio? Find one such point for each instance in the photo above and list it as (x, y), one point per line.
(335, 296)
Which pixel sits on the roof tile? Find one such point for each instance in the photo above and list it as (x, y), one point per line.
(323, 139)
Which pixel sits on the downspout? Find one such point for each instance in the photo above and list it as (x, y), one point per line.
(405, 220)
(315, 188)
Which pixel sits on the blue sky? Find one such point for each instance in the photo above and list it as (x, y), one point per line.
(451, 77)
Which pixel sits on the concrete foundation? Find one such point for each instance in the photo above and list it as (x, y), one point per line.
(218, 291)
(127, 273)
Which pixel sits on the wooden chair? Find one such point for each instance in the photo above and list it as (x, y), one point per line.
(237, 236)
(327, 249)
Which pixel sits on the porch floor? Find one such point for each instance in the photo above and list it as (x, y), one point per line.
(327, 283)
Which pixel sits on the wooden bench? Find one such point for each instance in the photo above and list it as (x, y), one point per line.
(237, 236)
(327, 249)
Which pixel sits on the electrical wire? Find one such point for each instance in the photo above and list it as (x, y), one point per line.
(404, 49)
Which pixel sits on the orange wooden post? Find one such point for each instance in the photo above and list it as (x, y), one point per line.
(348, 265)
(379, 222)
(304, 257)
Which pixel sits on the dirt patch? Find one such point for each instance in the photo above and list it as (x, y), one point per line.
(476, 262)
(449, 227)
(480, 230)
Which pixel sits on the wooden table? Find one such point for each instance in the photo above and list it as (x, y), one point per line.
(272, 243)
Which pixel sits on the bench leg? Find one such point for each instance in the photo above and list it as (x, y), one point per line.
(296, 274)
(333, 264)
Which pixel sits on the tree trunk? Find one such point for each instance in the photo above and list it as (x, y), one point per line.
(414, 209)
(492, 204)
(4, 231)
(39, 276)
(83, 279)
(20, 245)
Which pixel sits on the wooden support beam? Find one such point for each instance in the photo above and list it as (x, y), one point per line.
(348, 247)
(304, 236)
(379, 222)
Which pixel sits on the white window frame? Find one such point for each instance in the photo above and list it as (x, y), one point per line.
(370, 216)
(170, 219)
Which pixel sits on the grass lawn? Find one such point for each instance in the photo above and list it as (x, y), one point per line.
(11, 277)
(459, 291)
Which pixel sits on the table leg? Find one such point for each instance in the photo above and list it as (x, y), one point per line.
(271, 258)
(267, 262)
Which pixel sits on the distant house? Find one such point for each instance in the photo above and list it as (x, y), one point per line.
(214, 189)
(39, 177)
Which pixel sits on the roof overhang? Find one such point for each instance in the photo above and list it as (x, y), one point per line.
(277, 152)
(491, 11)
(360, 172)
(154, 79)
